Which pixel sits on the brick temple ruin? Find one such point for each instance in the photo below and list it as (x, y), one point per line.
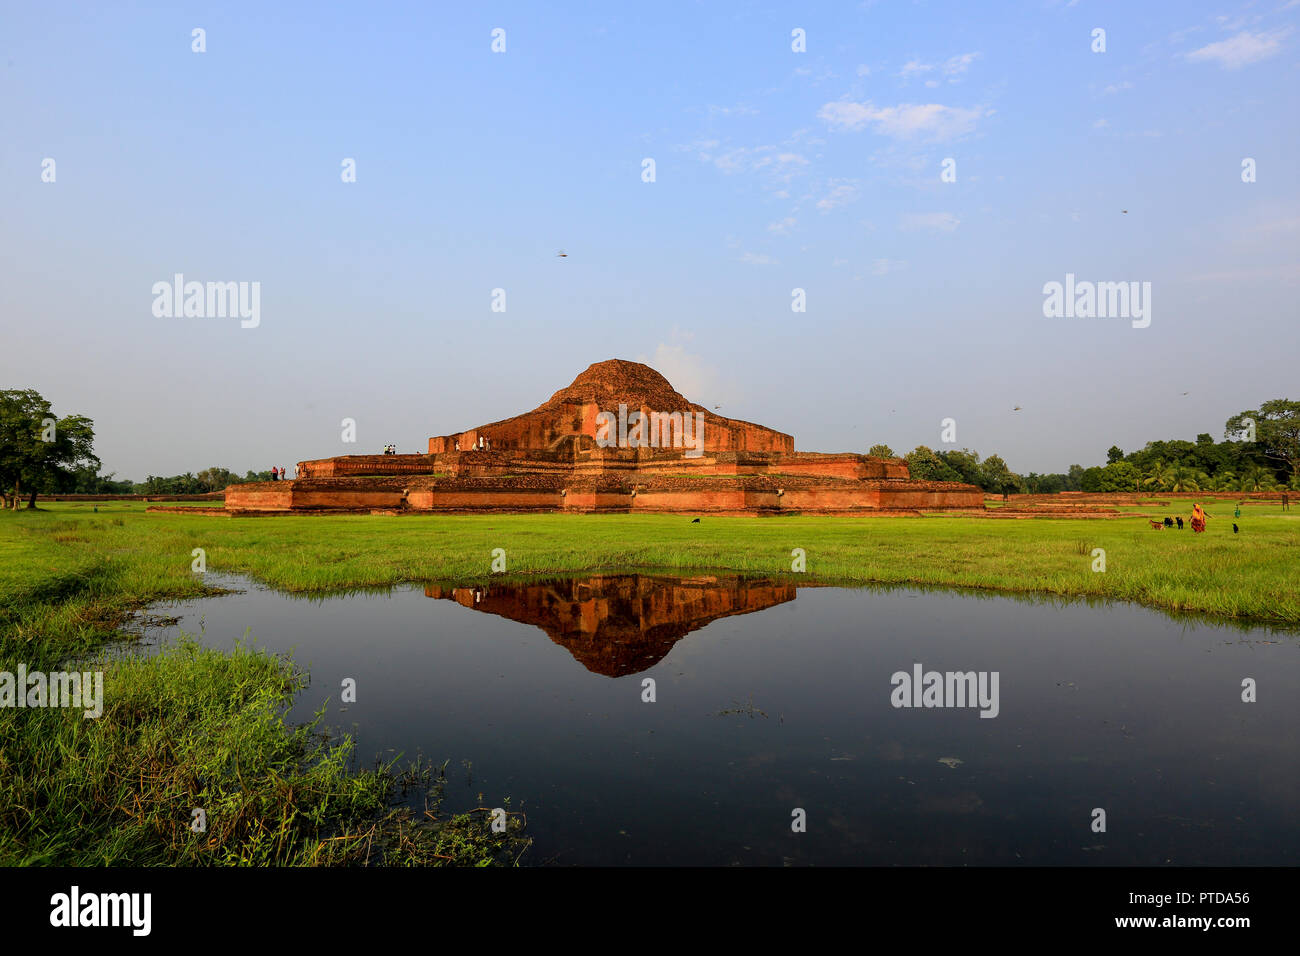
(619, 439)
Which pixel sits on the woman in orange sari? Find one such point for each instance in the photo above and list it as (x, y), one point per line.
(1199, 515)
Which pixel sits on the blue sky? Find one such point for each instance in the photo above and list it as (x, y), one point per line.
(774, 170)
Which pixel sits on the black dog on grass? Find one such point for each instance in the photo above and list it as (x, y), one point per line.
(695, 521)
(1180, 524)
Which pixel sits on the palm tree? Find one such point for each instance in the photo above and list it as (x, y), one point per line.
(1222, 481)
(1156, 476)
(1182, 478)
(1256, 478)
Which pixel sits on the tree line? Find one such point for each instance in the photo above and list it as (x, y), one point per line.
(1261, 452)
(43, 454)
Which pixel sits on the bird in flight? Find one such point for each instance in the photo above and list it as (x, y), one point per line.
(562, 254)
(1124, 211)
(1016, 409)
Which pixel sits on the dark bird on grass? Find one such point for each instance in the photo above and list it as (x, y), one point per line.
(695, 521)
(1235, 529)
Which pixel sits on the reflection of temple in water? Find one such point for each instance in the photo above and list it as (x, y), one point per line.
(625, 623)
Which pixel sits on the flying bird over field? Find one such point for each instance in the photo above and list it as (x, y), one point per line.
(561, 254)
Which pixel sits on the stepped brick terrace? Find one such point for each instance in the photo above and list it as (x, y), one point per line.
(619, 439)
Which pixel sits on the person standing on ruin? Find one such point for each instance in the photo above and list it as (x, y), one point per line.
(275, 475)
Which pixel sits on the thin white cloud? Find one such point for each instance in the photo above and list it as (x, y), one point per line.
(880, 267)
(957, 65)
(929, 121)
(1116, 87)
(782, 226)
(758, 259)
(1241, 50)
(938, 221)
(841, 192)
(951, 69)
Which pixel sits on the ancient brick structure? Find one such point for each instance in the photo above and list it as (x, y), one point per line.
(637, 617)
(619, 439)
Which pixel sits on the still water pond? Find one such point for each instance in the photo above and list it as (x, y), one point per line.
(771, 698)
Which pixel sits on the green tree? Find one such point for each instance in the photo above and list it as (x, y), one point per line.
(881, 451)
(1257, 478)
(966, 464)
(1174, 476)
(39, 452)
(1222, 481)
(216, 478)
(1090, 479)
(998, 478)
(1113, 454)
(1120, 476)
(925, 465)
(1277, 431)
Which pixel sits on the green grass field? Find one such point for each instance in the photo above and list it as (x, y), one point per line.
(199, 728)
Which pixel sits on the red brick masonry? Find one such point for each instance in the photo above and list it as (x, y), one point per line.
(549, 460)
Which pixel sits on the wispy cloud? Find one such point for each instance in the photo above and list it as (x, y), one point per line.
(929, 121)
(880, 267)
(758, 259)
(938, 221)
(1116, 87)
(950, 69)
(782, 226)
(1241, 50)
(840, 193)
(781, 164)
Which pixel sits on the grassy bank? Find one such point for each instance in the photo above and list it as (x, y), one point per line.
(1248, 576)
(188, 729)
(195, 728)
